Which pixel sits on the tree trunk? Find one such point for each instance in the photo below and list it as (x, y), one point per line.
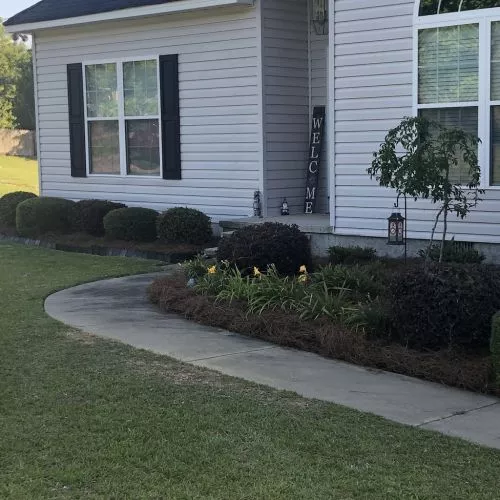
(445, 230)
(446, 206)
(436, 221)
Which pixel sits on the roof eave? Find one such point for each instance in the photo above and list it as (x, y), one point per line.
(150, 10)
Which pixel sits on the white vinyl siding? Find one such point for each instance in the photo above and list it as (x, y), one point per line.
(373, 92)
(286, 102)
(220, 108)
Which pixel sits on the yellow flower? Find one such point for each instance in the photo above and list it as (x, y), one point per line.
(212, 270)
(256, 271)
(302, 278)
(303, 269)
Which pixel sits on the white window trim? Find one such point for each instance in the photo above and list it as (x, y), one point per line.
(121, 116)
(484, 18)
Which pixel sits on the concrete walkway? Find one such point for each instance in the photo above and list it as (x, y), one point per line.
(118, 309)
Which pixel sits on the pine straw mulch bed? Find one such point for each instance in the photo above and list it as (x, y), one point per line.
(102, 245)
(86, 240)
(454, 368)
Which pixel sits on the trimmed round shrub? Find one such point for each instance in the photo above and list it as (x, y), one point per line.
(261, 245)
(444, 305)
(131, 224)
(184, 225)
(8, 205)
(453, 251)
(88, 215)
(38, 216)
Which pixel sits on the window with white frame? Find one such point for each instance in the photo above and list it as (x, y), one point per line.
(430, 7)
(122, 118)
(458, 69)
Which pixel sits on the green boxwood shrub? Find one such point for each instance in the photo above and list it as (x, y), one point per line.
(445, 305)
(184, 225)
(351, 255)
(454, 251)
(38, 216)
(88, 215)
(261, 245)
(495, 348)
(131, 224)
(8, 205)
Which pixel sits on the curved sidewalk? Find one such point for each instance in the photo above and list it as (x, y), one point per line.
(119, 309)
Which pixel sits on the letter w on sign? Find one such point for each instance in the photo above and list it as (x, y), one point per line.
(314, 160)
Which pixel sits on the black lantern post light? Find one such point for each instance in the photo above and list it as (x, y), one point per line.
(397, 227)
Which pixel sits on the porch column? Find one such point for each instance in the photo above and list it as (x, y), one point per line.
(330, 110)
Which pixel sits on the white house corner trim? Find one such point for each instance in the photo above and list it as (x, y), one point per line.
(330, 109)
(262, 104)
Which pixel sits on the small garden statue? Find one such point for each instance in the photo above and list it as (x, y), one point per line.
(418, 159)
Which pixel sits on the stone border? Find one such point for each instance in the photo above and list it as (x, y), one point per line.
(104, 251)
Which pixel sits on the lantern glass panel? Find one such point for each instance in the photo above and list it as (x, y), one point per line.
(395, 231)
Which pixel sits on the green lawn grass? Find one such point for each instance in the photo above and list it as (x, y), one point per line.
(82, 417)
(18, 174)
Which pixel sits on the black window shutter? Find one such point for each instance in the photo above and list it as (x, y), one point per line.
(76, 120)
(170, 121)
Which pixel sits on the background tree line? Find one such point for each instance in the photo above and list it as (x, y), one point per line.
(17, 107)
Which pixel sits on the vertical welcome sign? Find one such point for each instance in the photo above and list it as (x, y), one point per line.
(314, 161)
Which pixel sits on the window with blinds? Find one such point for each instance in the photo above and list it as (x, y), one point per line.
(448, 64)
(495, 104)
(448, 80)
(458, 69)
(465, 118)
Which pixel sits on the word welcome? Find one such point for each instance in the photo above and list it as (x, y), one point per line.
(314, 161)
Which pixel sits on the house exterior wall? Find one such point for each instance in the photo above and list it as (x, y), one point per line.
(373, 91)
(373, 85)
(248, 80)
(285, 74)
(220, 108)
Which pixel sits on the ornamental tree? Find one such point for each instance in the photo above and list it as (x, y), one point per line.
(419, 159)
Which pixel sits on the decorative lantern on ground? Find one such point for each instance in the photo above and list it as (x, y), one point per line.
(284, 208)
(257, 207)
(396, 229)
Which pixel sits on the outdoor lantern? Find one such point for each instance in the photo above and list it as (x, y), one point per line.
(396, 229)
(257, 209)
(320, 16)
(284, 208)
